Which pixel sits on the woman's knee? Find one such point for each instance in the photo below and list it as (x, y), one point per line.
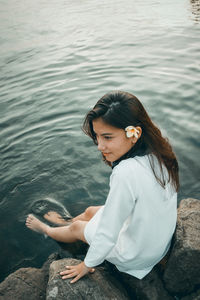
(90, 212)
(77, 228)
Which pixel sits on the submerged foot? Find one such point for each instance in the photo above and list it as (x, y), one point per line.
(36, 225)
(56, 218)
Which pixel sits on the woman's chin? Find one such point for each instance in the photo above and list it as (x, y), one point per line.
(110, 160)
(109, 157)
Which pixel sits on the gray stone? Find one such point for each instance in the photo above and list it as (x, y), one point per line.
(149, 288)
(27, 283)
(182, 272)
(193, 296)
(97, 286)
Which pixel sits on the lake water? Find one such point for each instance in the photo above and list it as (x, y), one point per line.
(57, 58)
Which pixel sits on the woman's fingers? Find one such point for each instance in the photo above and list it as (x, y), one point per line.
(68, 271)
(69, 275)
(76, 271)
(76, 278)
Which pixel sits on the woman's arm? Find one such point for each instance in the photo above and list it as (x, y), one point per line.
(119, 205)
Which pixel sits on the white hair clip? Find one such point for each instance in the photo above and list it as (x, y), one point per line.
(131, 131)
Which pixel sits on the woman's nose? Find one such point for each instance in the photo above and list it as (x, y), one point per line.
(101, 145)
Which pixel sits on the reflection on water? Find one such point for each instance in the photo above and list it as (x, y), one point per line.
(57, 58)
(195, 7)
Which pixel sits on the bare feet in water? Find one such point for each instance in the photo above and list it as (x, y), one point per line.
(56, 218)
(36, 225)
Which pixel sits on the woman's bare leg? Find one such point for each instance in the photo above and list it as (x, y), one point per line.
(55, 218)
(87, 214)
(65, 234)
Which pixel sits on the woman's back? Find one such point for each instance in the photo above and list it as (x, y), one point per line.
(146, 234)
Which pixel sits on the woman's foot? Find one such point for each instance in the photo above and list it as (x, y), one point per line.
(36, 225)
(56, 218)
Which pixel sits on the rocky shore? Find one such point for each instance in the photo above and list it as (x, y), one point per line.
(177, 277)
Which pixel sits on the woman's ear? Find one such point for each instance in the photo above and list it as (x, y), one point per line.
(139, 131)
(137, 135)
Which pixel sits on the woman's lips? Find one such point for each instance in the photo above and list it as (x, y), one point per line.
(105, 153)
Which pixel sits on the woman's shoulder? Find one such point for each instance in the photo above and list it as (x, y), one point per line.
(132, 164)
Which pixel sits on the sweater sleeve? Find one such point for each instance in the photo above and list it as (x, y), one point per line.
(119, 205)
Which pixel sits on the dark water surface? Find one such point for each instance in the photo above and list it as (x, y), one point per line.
(57, 58)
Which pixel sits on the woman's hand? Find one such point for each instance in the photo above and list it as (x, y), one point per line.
(77, 271)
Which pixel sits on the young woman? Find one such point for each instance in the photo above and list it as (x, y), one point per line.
(133, 230)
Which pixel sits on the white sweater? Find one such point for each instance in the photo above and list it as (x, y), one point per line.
(138, 219)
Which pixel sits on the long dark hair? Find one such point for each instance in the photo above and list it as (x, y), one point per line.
(122, 109)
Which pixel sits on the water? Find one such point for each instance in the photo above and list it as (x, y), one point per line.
(57, 58)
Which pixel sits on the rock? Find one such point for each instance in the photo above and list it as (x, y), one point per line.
(193, 296)
(182, 272)
(27, 283)
(97, 286)
(149, 288)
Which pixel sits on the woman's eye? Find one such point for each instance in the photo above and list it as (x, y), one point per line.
(108, 137)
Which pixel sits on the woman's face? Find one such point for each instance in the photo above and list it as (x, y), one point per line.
(112, 141)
